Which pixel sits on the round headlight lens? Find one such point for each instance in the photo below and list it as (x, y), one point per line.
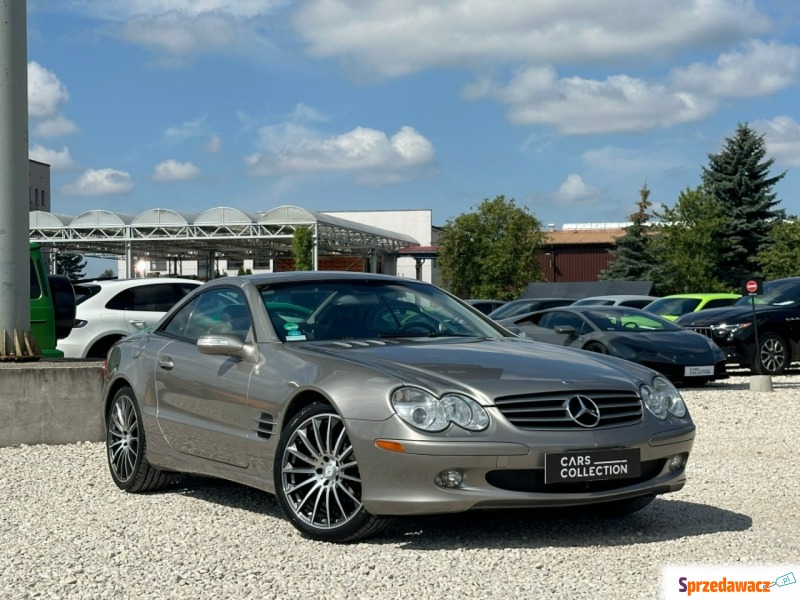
(420, 409)
(465, 412)
(425, 411)
(662, 398)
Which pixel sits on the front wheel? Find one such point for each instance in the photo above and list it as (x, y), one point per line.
(126, 446)
(772, 355)
(596, 347)
(317, 479)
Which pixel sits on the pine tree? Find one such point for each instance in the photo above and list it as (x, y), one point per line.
(71, 265)
(632, 255)
(738, 178)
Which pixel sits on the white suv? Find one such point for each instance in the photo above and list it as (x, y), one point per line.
(108, 310)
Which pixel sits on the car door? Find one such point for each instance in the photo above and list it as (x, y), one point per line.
(552, 323)
(144, 305)
(202, 399)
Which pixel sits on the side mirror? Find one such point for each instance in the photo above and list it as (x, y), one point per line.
(565, 329)
(226, 344)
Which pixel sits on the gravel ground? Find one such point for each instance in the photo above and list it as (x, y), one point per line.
(67, 532)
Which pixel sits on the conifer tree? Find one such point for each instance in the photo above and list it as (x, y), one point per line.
(738, 179)
(632, 258)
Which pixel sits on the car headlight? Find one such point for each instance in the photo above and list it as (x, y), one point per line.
(663, 398)
(425, 411)
(730, 329)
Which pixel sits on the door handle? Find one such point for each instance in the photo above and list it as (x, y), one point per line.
(138, 323)
(166, 363)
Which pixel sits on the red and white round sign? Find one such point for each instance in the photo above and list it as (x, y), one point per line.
(751, 286)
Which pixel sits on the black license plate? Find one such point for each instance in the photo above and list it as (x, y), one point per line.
(591, 465)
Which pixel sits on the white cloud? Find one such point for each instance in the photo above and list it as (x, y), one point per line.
(213, 144)
(59, 160)
(585, 106)
(782, 137)
(759, 69)
(100, 182)
(55, 127)
(392, 38)
(46, 93)
(308, 114)
(172, 170)
(186, 130)
(621, 160)
(369, 153)
(574, 191)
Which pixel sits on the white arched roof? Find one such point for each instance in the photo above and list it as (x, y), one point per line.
(100, 218)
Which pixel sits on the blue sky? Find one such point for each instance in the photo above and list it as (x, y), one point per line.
(566, 106)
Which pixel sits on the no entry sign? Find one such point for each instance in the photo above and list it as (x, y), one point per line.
(753, 286)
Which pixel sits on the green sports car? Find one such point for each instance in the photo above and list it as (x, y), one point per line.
(672, 307)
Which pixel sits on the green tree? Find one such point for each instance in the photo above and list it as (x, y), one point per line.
(688, 246)
(632, 257)
(303, 246)
(71, 265)
(107, 274)
(738, 179)
(781, 258)
(490, 253)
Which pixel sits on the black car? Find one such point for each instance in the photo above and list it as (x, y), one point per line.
(527, 305)
(629, 333)
(777, 324)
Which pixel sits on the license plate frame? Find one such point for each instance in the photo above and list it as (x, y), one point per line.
(580, 466)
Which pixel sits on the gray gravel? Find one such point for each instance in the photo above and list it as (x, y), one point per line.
(67, 532)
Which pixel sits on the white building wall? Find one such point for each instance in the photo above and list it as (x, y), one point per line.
(416, 223)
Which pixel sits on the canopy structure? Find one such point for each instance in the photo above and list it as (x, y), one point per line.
(221, 232)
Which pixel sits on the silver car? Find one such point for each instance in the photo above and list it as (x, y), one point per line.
(356, 398)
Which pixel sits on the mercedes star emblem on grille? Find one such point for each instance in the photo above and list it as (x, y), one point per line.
(583, 411)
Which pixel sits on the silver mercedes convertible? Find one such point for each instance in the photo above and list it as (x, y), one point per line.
(358, 398)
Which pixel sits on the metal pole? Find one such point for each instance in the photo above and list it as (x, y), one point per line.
(15, 315)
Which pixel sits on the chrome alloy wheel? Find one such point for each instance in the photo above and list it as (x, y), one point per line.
(123, 438)
(773, 355)
(319, 473)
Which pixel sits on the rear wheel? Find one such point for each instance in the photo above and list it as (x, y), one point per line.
(126, 447)
(317, 479)
(101, 347)
(772, 355)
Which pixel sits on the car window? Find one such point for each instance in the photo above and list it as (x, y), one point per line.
(344, 310)
(719, 302)
(158, 297)
(635, 303)
(84, 291)
(555, 319)
(673, 306)
(220, 310)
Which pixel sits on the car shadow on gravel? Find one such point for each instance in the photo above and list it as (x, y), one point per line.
(663, 520)
(538, 528)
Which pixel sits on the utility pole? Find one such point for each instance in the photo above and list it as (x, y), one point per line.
(15, 335)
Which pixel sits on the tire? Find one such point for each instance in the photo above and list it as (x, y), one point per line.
(772, 355)
(596, 347)
(317, 479)
(126, 447)
(621, 508)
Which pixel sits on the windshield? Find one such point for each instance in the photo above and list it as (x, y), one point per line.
(672, 306)
(629, 320)
(369, 309)
(776, 293)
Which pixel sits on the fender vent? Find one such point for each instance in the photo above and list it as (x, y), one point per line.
(264, 426)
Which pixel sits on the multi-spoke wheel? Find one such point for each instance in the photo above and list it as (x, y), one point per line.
(772, 355)
(317, 479)
(125, 446)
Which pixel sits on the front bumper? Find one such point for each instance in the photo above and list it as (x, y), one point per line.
(509, 474)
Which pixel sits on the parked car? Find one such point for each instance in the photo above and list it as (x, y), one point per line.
(110, 309)
(629, 333)
(777, 323)
(636, 301)
(355, 398)
(485, 306)
(526, 305)
(673, 306)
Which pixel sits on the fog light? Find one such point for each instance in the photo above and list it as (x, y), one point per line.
(676, 462)
(450, 478)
